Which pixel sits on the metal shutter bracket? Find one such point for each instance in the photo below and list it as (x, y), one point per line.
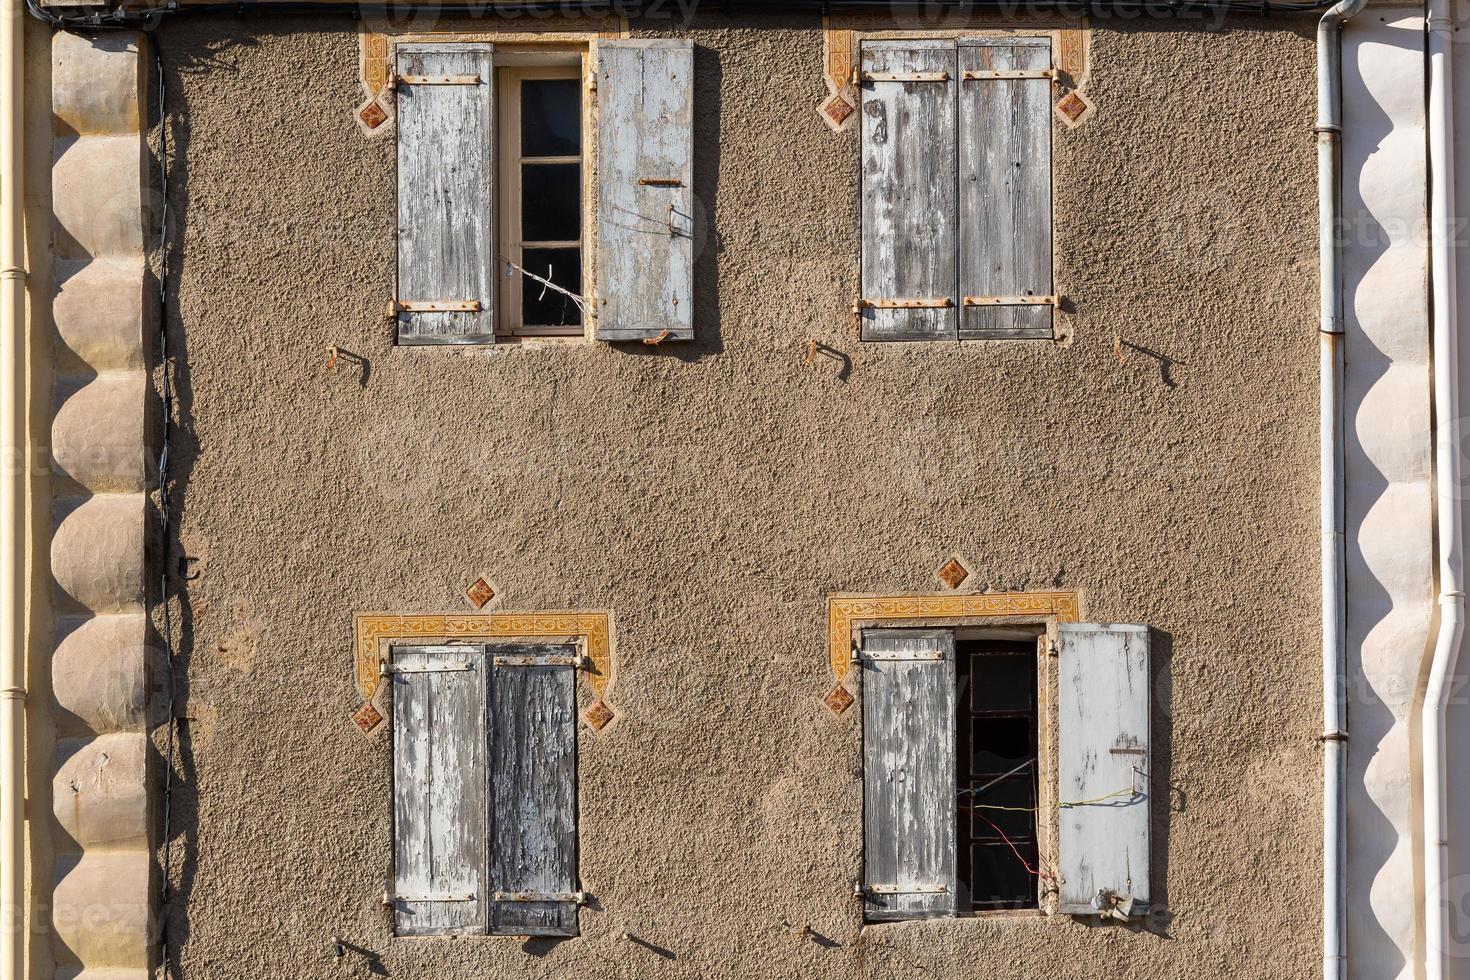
(435, 80)
(979, 75)
(1010, 301)
(901, 76)
(442, 668)
(517, 897)
(391, 898)
(537, 660)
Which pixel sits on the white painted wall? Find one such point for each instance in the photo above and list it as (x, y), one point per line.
(1390, 558)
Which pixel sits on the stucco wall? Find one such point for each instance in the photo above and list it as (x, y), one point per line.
(712, 495)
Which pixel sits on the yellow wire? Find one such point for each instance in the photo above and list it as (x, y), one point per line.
(1060, 806)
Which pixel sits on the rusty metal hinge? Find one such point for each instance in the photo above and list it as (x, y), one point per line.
(441, 668)
(906, 889)
(941, 303)
(541, 660)
(579, 897)
(393, 898)
(397, 80)
(921, 655)
(1027, 300)
(436, 306)
(660, 182)
(901, 76)
(980, 74)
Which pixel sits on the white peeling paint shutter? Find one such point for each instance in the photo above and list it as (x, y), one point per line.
(645, 195)
(908, 698)
(1103, 768)
(909, 213)
(446, 194)
(533, 789)
(1005, 189)
(438, 790)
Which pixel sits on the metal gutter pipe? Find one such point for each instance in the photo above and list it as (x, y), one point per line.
(1330, 330)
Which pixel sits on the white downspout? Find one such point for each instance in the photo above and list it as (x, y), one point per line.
(12, 493)
(1334, 706)
(1446, 483)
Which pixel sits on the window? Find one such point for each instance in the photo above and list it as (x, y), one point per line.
(484, 790)
(955, 783)
(495, 206)
(956, 189)
(541, 207)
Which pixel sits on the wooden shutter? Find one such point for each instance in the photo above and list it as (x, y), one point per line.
(908, 191)
(908, 697)
(1005, 189)
(645, 196)
(446, 196)
(438, 790)
(533, 789)
(1103, 768)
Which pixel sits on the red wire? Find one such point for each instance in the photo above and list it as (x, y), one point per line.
(1015, 851)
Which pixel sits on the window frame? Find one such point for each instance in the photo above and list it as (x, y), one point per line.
(513, 67)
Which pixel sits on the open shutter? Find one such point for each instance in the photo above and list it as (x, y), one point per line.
(1005, 188)
(908, 774)
(446, 196)
(1103, 768)
(533, 789)
(908, 196)
(438, 790)
(645, 196)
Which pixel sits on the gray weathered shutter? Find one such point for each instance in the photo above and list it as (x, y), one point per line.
(446, 194)
(1103, 768)
(908, 692)
(438, 790)
(533, 790)
(1005, 188)
(908, 191)
(645, 195)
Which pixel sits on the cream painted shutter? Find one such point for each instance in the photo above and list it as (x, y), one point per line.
(909, 214)
(533, 790)
(908, 699)
(1103, 768)
(438, 790)
(446, 194)
(645, 195)
(1005, 246)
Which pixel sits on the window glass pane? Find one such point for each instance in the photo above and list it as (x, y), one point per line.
(551, 202)
(1001, 682)
(998, 879)
(543, 307)
(551, 117)
(998, 745)
(1007, 807)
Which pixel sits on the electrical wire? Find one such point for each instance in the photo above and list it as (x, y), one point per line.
(1019, 856)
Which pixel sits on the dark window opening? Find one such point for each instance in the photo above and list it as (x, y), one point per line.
(996, 759)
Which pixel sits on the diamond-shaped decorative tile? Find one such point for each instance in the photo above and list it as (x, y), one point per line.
(367, 717)
(837, 108)
(599, 715)
(953, 574)
(479, 593)
(1073, 107)
(372, 115)
(838, 700)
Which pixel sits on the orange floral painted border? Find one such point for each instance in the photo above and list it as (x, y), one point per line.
(371, 629)
(845, 611)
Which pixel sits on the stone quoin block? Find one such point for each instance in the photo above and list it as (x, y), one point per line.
(97, 552)
(96, 83)
(99, 675)
(99, 793)
(97, 197)
(98, 309)
(97, 434)
(100, 915)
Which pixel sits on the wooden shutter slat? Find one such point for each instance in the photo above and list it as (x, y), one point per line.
(446, 200)
(533, 791)
(908, 699)
(645, 200)
(1005, 247)
(438, 791)
(1103, 767)
(909, 211)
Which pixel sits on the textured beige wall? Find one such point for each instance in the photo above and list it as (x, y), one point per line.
(713, 495)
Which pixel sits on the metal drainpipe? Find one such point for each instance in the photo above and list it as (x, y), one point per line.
(1446, 484)
(1330, 329)
(12, 493)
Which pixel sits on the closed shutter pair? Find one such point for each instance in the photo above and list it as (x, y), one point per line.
(909, 772)
(484, 790)
(448, 269)
(956, 189)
